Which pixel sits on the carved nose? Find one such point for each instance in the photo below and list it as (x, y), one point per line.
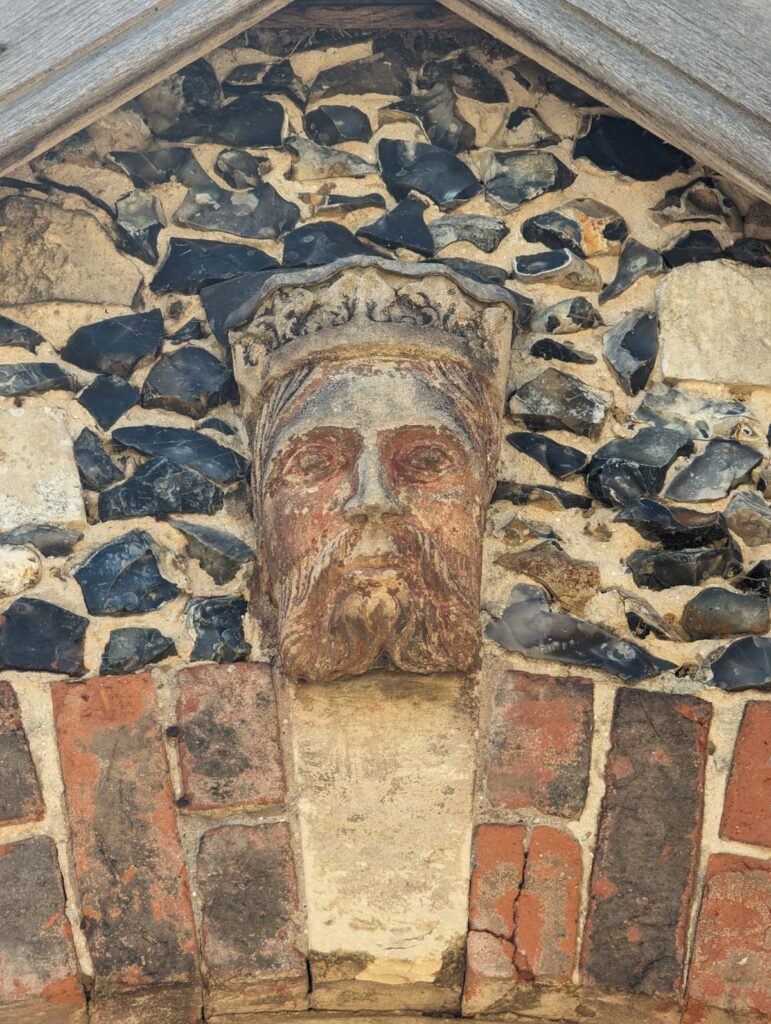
(373, 498)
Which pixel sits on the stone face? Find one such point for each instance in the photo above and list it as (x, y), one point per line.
(157, 488)
(20, 797)
(704, 336)
(539, 747)
(271, 79)
(331, 123)
(630, 349)
(511, 179)
(560, 266)
(486, 233)
(37, 636)
(38, 971)
(743, 665)
(585, 226)
(636, 261)
(651, 815)
(229, 751)
(259, 212)
(191, 264)
(107, 397)
(48, 254)
(128, 861)
(219, 629)
(748, 515)
(748, 795)
(122, 577)
(34, 379)
(757, 580)
(561, 460)
(186, 447)
(116, 345)
(159, 165)
(634, 467)
(617, 144)
(716, 612)
(402, 227)
(417, 166)
(96, 468)
(190, 381)
(131, 649)
(220, 554)
(710, 475)
(558, 401)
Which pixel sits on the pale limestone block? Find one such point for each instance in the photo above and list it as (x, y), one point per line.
(19, 569)
(714, 323)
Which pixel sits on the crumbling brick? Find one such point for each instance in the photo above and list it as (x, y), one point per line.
(20, 796)
(746, 814)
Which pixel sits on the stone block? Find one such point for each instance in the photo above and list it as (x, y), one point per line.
(746, 816)
(20, 796)
(499, 862)
(539, 748)
(39, 981)
(229, 748)
(648, 842)
(128, 862)
(252, 934)
(713, 323)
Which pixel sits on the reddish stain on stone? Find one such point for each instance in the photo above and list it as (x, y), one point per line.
(747, 808)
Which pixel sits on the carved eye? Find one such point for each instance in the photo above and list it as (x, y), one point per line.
(314, 462)
(424, 463)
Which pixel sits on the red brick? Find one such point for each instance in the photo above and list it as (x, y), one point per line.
(647, 846)
(731, 961)
(746, 814)
(20, 796)
(490, 978)
(228, 743)
(539, 749)
(128, 859)
(252, 934)
(548, 907)
(499, 860)
(39, 981)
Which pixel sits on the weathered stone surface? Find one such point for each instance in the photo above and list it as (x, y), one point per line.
(96, 468)
(219, 629)
(748, 515)
(630, 349)
(14, 333)
(716, 612)
(37, 636)
(418, 166)
(497, 868)
(617, 144)
(132, 648)
(636, 261)
(651, 815)
(634, 467)
(34, 379)
(560, 266)
(107, 397)
(19, 569)
(714, 472)
(698, 415)
(339, 204)
(748, 795)
(699, 200)
(160, 486)
(511, 179)
(486, 233)
(186, 447)
(221, 554)
(331, 123)
(743, 665)
(485, 273)
(567, 317)
(643, 619)
(116, 345)
(122, 577)
(38, 972)
(48, 254)
(554, 400)
(229, 750)
(128, 861)
(191, 264)
(20, 797)
(704, 336)
(190, 381)
(571, 581)
(252, 934)
(585, 226)
(315, 162)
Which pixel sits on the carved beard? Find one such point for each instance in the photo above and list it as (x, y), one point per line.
(337, 621)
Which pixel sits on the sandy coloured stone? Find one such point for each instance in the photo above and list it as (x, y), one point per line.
(19, 569)
(746, 815)
(20, 797)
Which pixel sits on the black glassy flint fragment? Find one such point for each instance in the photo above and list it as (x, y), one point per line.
(723, 465)
(486, 233)
(617, 144)
(316, 244)
(697, 414)
(692, 247)
(249, 120)
(584, 226)
(96, 468)
(674, 528)
(226, 303)
(567, 317)
(418, 166)
(634, 467)
(215, 423)
(401, 228)
(157, 488)
(561, 460)
(523, 494)
(567, 91)
(755, 252)
(139, 218)
(189, 381)
(193, 89)
(528, 627)
(437, 114)
(511, 179)
(630, 349)
(116, 345)
(338, 202)
(159, 165)
(51, 541)
(315, 162)
(558, 265)
(636, 261)
(221, 554)
(743, 665)
(123, 578)
(547, 348)
(107, 397)
(659, 570)
(14, 333)
(193, 330)
(130, 649)
(219, 629)
(716, 612)
(274, 79)
(193, 263)
(260, 212)
(36, 636)
(485, 273)
(241, 169)
(466, 77)
(757, 580)
(558, 401)
(332, 123)
(186, 447)
(383, 73)
(34, 379)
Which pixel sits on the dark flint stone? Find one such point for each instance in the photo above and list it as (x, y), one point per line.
(757, 580)
(274, 79)
(523, 128)
(36, 636)
(485, 273)
(700, 199)
(617, 144)
(219, 629)
(256, 213)
(427, 169)
(700, 416)
(214, 423)
(35, 379)
(116, 345)
(524, 494)
(743, 665)
(562, 229)
(313, 245)
(332, 123)
(221, 554)
(716, 612)
(402, 228)
(643, 620)
(315, 162)
(755, 252)
(528, 627)
(344, 203)
(567, 317)
(567, 91)
(186, 447)
(674, 528)
(561, 460)
(189, 381)
(630, 350)
(465, 76)
(692, 247)
(636, 261)
(558, 401)
(123, 578)
(224, 302)
(14, 333)
(635, 467)
(193, 330)
(748, 515)
(486, 233)
(558, 265)
(50, 541)
(96, 468)
(193, 89)
(710, 476)
(157, 488)
(160, 165)
(659, 570)
(240, 169)
(436, 112)
(511, 179)
(382, 73)
(248, 121)
(107, 397)
(547, 348)
(139, 217)
(128, 650)
(193, 263)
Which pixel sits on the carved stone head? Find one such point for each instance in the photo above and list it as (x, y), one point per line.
(374, 392)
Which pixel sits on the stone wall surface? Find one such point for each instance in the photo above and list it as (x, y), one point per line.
(577, 831)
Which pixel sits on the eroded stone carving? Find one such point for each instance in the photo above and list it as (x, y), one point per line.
(374, 392)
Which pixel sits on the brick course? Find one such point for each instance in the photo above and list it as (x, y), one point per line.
(20, 796)
(499, 861)
(747, 808)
